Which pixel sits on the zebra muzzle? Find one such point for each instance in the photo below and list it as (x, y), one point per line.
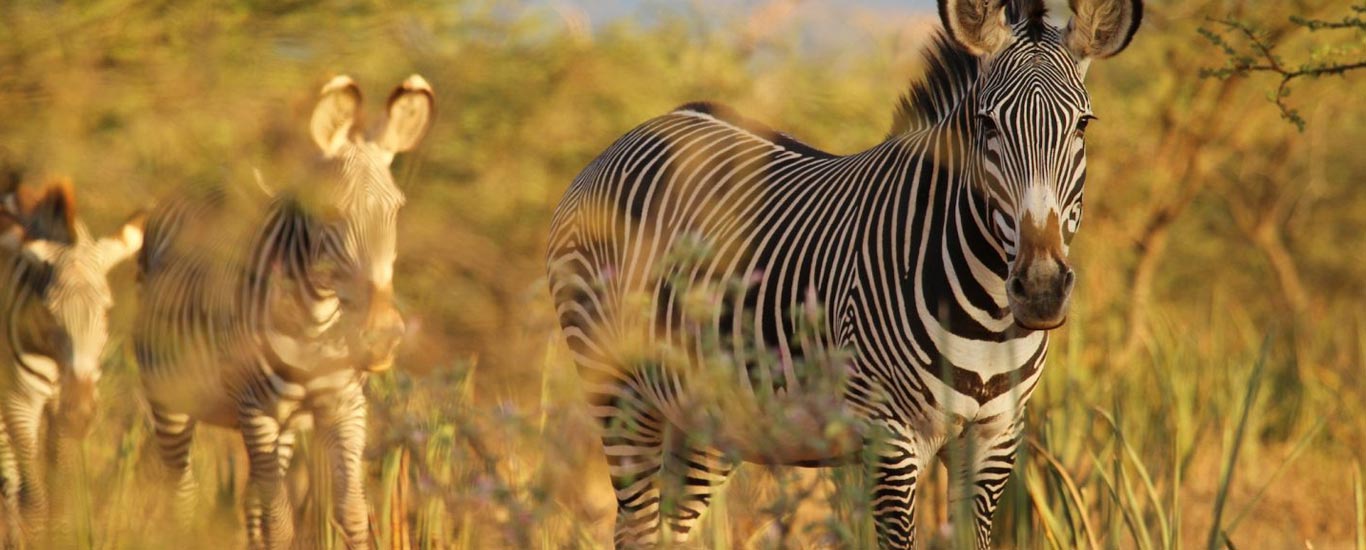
(382, 340)
(1039, 298)
(380, 365)
(76, 406)
(1039, 288)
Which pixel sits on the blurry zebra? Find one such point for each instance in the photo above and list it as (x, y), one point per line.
(54, 319)
(259, 315)
(729, 293)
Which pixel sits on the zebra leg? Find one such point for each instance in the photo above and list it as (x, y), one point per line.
(341, 425)
(61, 469)
(633, 441)
(693, 474)
(174, 435)
(896, 467)
(9, 470)
(298, 477)
(284, 448)
(270, 523)
(23, 417)
(987, 458)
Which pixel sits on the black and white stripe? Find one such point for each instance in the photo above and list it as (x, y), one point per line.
(264, 318)
(728, 292)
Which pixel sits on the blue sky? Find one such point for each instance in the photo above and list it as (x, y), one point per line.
(600, 11)
(610, 9)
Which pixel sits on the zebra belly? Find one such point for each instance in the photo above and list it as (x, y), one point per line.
(206, 384)
(815, 429)
(204, 400)
(788, 429)
(761, 413)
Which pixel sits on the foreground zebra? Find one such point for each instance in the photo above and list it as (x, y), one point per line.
(729, 293)
(54, 320)
(259, 317)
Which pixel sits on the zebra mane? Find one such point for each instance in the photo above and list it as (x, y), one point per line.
(730, 116)
(294, 241)
(949, 73)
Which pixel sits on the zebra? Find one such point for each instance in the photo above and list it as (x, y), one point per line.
(55, 324)
(883, 304)
(266, 314)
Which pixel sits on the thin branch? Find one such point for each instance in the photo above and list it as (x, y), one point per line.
(1262, 58)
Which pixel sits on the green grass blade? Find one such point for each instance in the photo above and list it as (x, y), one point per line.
(1052, 526)
(1148, 486)
(1280, 469)
(1127, 512)
(1226, 477)
(1074, 494)
(1361, 506)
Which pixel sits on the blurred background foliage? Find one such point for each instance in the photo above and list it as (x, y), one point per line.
(1217, 237)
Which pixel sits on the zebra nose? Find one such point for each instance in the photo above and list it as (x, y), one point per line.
(1042, 283)
(1017, 288)
(386, 330)
(1039, 297)
(77, 406)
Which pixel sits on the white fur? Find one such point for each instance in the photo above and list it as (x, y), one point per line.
(1039, 202)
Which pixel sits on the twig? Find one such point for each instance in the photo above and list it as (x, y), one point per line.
(1262, 58)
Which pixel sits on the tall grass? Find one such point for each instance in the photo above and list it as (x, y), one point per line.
(1168, 453)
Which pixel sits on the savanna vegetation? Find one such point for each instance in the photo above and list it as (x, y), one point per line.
(1208, 391)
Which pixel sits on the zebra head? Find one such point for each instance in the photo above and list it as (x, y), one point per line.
(58, 296)
(361, 210)
(1029, 115)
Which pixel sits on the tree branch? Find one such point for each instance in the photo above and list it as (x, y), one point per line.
(1258, 56)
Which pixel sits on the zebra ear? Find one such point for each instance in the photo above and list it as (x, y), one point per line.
(334, 119)
(979, 26)
(1102, 28)
(410, 113)
(49, 212)
(127, 243)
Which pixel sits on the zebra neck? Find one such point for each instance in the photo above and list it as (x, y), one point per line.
(289, 310)
(952, 303)
(20, 280)
(27, 341)
(957, 268)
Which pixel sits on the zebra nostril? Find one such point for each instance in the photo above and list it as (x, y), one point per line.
(1017, 287)
(1069, 279)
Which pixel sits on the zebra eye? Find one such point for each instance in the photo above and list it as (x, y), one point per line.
(1082, 123)
(988, 126)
